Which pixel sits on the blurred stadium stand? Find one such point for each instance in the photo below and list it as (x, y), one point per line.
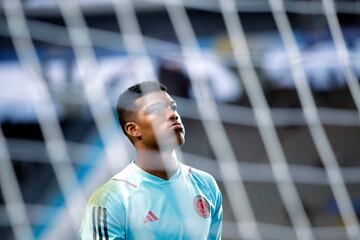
(337, 109)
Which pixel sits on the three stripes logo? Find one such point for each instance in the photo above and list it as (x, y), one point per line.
(99, 222)
(150, 217)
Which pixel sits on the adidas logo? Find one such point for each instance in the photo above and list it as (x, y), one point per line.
(150, 217)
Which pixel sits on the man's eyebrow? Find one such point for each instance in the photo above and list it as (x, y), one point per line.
(155, 103)
(161, 102)
(150, 105)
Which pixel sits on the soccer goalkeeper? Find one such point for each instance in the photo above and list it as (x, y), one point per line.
(155, 196)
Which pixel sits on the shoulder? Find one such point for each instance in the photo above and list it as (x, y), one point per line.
(105, 194)
(200, 176)
(116, 190)
(206, 183)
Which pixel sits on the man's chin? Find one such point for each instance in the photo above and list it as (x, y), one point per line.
(172, 142)
(180, 139)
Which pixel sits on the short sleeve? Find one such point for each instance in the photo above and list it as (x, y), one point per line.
(104, 218)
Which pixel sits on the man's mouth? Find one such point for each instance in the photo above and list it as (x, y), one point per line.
(177, 126)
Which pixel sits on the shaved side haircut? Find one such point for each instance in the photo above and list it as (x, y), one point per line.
(126, 108)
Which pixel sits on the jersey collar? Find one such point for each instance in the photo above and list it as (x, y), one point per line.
(154, 178)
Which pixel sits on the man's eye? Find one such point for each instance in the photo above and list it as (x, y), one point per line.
(173, 107)
(156, 109)
(159, 108)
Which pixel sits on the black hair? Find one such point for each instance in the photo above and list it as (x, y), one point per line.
(126, 107)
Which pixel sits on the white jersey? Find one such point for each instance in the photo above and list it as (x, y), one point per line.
(137, 205)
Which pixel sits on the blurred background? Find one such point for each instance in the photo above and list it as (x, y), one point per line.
(268, 92)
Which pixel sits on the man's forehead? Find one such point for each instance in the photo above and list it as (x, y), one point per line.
(153, 97)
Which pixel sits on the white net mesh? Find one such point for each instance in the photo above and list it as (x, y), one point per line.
(268, 90)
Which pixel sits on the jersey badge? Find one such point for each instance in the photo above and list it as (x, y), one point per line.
(202, 206)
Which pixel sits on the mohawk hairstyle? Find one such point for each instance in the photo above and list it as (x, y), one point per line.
(126, 107)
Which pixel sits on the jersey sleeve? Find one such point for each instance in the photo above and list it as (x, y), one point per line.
(104, 217)
(216, 219)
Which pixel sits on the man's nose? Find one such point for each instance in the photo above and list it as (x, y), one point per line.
(171, 114)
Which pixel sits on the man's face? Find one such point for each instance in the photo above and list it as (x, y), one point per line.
(159, 122)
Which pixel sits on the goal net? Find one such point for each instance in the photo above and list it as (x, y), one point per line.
(268, 91)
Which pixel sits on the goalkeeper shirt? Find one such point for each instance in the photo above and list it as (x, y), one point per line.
(137, 205)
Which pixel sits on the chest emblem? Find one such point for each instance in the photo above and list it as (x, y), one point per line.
(150, 217)
(202, 206)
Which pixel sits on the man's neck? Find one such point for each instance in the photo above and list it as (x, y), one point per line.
(157, 163)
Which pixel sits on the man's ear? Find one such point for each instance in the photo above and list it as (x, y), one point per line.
(132, 129)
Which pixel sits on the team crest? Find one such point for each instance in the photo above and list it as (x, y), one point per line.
(202, 206)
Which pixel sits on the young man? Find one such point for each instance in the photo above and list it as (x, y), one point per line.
(156, 196)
